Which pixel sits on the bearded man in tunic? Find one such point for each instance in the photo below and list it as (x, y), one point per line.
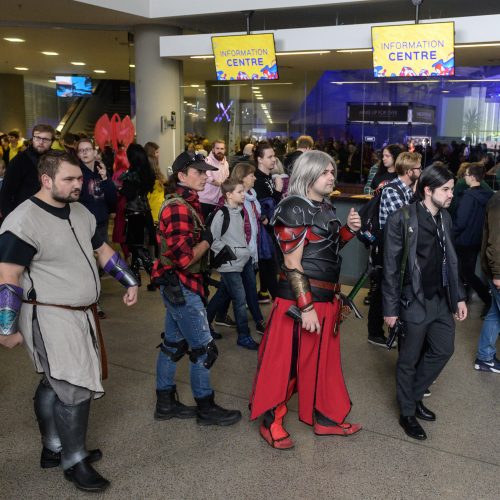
(49, 286)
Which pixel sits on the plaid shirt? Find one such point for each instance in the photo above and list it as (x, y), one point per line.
(391, 200)
(177, 227)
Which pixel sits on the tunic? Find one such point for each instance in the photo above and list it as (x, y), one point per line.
(62, 271)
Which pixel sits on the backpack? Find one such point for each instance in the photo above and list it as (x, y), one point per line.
(370, 232)
(226, 219)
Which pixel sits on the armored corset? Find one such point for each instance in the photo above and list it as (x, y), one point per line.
(315, 226)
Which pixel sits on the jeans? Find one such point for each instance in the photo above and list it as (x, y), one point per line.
(241, 288)
(189, 322)
(491, 327)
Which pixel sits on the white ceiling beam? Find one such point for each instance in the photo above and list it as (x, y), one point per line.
(476, 29)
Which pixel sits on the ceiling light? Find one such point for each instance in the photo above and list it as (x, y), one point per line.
(473, 45)
(414, 81)
(47, 53)
(255, 88)
(14, 40)
(201, 57)
(303, 53)
(194, 85)
(260, 98)
(343, 51)
(99, 71)
(445, 91)
(51, 81)
(77, 63)
(354, 83)
(131, 65)
(483, 80)
(21, 68)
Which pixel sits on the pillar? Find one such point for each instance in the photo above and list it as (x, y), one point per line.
(158, 93)
(12, 108)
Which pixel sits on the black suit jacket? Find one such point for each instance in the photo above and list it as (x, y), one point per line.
(409, 304)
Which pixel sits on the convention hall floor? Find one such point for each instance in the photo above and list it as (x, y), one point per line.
(148, 459)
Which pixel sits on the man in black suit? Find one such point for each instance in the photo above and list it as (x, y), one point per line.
(429, 295)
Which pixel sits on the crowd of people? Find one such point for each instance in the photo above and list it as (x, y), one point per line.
(256, 227)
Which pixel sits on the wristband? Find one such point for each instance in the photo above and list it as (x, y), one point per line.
(118, 269)
(11, 299)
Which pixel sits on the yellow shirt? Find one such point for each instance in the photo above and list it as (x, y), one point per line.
(156, 198)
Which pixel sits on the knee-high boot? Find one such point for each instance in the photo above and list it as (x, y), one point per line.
(272, 428)
(72, 423)
(44, 401)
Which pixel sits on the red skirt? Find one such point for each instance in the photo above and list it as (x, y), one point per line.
(320, 381)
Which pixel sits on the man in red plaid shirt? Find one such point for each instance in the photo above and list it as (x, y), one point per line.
(184, 242)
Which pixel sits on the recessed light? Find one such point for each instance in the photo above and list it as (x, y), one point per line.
(131, 65)
(47, 53)
(21, 68)
(445, 91)
(349, 51)
(99, 71)
(14, 40)
(194, 85)
(201, 57)
(77, 63)
(51, 81)
(259, 98)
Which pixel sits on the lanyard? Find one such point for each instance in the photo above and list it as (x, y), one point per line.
(441, 236)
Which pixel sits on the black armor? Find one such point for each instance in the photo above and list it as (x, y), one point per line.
(320, 259)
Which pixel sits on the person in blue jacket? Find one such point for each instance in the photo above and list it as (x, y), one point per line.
(468, 229)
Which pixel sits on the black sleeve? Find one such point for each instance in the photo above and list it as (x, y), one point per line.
(97, 241)
(13, 250)
(10, 186)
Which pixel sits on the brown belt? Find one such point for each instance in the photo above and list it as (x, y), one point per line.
(325, 285)
(93, 308)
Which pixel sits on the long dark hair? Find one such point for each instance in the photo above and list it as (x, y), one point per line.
(433, 177)
(394, 150)
(139, 163)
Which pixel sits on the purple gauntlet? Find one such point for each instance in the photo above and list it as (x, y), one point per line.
(118, 268)
(11, 299)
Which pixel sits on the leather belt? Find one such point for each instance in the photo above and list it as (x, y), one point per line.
(325, 285)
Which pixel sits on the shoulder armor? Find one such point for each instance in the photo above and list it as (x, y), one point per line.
(295, 211)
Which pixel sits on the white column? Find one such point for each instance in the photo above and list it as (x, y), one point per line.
(158, 93)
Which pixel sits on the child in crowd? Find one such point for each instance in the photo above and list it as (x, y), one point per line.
(237, 276)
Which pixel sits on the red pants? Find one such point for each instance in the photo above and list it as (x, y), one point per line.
(320, 382)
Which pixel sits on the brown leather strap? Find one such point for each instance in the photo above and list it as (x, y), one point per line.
(93, 308)
(326, 285)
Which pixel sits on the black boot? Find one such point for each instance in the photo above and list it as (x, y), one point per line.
(145, 259)
(168, 406)
(44, 401)
(211, 414)
(72, 422)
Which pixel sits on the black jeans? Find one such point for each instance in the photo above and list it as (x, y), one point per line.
(467, 258)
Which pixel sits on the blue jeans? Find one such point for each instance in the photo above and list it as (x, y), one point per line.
(189, 322)
(491, 327)
(241, 288)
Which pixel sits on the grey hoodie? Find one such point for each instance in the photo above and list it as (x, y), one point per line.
(234, 237)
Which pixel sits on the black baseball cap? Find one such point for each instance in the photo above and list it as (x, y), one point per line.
(191, 160)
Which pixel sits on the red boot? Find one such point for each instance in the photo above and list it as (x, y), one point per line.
(275, 434)
(323, 426)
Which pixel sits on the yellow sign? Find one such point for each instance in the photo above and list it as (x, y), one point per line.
(245, 57)
(414, 50)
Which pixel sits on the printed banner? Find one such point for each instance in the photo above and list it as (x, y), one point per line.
(245, 57)
(414, 50)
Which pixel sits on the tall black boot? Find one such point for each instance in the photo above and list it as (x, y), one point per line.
(168, 406)
(44, 401)
(211, 414)
(72, 422)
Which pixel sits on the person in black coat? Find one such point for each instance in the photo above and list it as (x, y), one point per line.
(426, 297)
(469, 222)
(21, 178)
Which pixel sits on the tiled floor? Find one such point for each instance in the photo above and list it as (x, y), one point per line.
(176, 459)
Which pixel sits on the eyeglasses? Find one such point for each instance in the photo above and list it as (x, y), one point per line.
(85, 150)
(42, 139)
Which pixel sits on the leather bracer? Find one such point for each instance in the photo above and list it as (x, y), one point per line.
(11, 299)
(301, 288)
